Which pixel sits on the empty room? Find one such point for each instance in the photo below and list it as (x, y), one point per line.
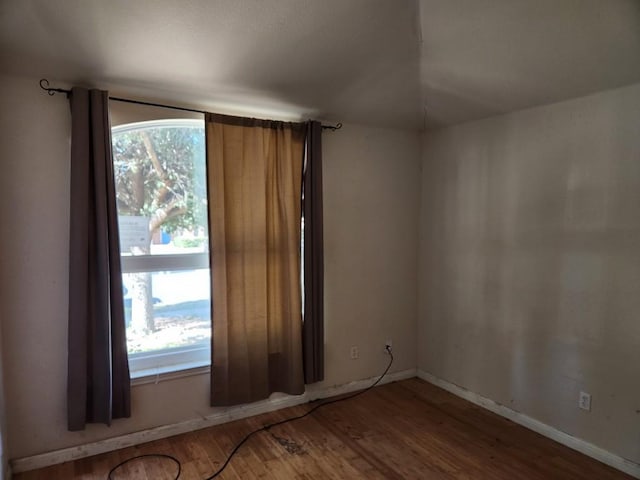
(310, 239)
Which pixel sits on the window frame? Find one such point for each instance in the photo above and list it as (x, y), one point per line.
(174, 359)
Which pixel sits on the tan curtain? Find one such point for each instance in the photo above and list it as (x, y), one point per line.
(254, 177)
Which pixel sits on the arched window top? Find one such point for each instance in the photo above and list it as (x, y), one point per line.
(154, 124)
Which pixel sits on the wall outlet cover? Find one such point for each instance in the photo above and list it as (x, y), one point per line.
(584, 401)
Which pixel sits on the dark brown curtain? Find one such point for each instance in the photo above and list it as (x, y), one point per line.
(98, 385)
(254, 178)
(313, 327)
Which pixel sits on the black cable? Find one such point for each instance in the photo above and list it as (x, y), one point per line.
(265, 428)
(323, 404)
(156, 455)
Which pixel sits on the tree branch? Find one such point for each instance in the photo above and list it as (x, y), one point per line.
(137, 189)
(163, 214)
(153, 156)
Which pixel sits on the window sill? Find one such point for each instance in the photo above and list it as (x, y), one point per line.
(169, 372)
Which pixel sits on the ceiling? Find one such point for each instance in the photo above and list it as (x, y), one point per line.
(396, 63)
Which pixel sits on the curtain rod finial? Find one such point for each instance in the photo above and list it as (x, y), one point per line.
(333, 128)
(44, 85)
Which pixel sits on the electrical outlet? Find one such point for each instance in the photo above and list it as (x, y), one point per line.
(388, 343)
(584, 401)
(355, 354)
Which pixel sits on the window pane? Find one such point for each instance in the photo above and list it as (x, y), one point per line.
(161, 187)
(159, 169)
(178, 305)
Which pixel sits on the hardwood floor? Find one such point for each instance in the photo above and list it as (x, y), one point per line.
(404, 430)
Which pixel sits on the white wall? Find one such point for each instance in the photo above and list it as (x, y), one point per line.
(371, 207)
(371, 202)
(530, 263)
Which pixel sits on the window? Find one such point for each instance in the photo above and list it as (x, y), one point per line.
(159, 169)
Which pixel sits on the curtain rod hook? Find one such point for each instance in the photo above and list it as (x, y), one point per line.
(44, 84)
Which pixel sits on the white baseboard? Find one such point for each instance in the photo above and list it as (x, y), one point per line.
(608, 458)
(227, 415)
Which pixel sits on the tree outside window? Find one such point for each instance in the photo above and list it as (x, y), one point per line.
(160, 180)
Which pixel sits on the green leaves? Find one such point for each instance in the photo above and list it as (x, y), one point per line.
(159, 173)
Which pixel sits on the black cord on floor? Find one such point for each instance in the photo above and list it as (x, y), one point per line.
(262, 429)
(154, 455)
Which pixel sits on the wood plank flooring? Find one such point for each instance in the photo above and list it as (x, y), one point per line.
(404, 430)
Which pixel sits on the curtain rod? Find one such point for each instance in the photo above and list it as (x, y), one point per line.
(44, 84)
